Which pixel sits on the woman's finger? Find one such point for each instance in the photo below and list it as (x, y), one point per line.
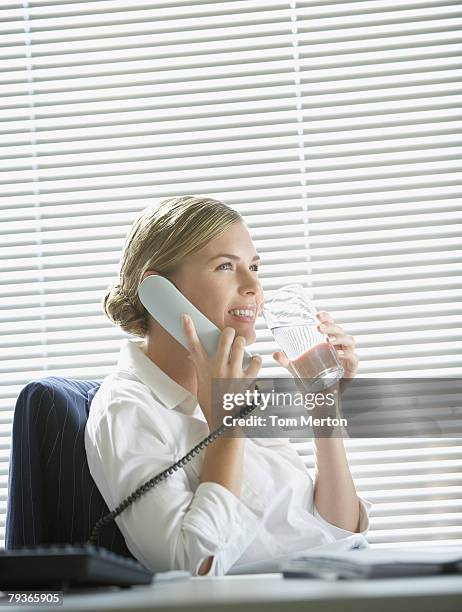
(330, 328)
(349, 361)
(194, 344)
(343, 340)
(281, 359)
(324, 317)
(237, 353)
(335, 333)
(254, 366)
(224, 345)
(346, 353)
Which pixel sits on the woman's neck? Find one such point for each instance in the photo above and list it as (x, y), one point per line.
(171, 357)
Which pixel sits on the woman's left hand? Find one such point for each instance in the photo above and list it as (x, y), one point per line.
(343, 344)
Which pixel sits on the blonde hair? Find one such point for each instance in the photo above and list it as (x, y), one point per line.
(160, 239)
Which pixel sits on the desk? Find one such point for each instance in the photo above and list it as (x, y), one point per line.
(271, 593)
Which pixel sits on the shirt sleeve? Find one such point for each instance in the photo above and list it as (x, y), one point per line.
(337, 532)
(218, 524)
(169, 526)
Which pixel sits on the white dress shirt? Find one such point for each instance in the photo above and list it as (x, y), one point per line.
(141, 421)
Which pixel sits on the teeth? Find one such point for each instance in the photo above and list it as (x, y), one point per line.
(242, 313)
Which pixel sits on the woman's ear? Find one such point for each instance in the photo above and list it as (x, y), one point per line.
(149, 273)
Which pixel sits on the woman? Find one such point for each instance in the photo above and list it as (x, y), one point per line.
(240, 500)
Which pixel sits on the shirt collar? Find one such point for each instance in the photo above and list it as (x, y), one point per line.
(132, 358)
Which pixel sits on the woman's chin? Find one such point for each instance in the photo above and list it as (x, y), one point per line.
(250, 337)
(247, 330)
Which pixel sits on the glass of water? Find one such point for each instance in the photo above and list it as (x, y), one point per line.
(291, 317)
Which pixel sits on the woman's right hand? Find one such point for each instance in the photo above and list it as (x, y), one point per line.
(226, 363)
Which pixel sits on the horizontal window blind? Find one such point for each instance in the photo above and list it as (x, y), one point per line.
(331, 126)
(379, 86)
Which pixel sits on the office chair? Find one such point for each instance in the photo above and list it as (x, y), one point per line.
(52, 497)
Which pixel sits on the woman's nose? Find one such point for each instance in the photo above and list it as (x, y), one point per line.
(251, 285)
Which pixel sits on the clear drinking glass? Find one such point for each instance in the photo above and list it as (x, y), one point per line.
(291, 317)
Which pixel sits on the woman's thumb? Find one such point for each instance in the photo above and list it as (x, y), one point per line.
(281, 359)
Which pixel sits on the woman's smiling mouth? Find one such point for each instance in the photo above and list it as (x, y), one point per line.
(244, 315)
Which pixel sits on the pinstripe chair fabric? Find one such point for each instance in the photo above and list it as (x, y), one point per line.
(51, 495)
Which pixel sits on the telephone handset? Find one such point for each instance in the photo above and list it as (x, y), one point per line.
(166, 304)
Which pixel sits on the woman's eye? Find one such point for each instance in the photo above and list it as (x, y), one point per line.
(228, 263)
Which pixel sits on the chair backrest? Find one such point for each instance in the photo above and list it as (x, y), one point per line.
(52, 497)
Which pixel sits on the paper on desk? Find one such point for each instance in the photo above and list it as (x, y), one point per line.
(265, 566)
(375, 563)
(423, 555)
